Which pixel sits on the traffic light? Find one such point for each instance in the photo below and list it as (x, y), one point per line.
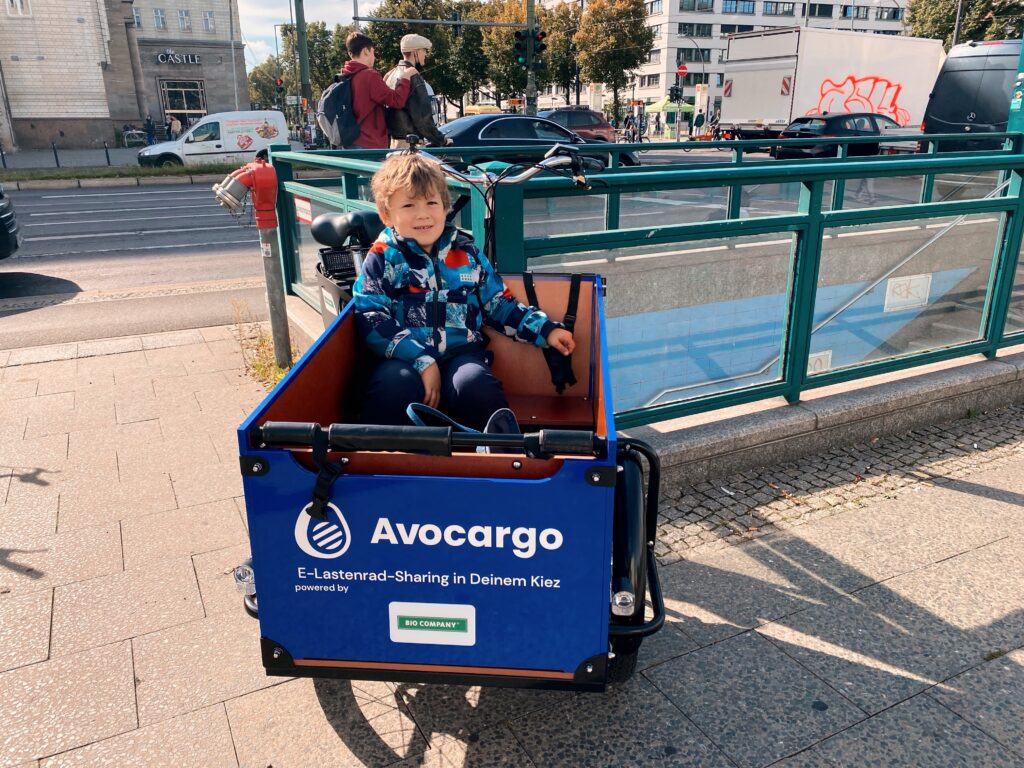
(674, 93)
(522, 44)
(279, 84)
(537, 38)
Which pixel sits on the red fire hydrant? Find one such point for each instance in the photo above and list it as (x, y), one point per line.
(260, 179)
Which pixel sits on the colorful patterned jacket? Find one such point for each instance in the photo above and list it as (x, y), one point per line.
(421, 308)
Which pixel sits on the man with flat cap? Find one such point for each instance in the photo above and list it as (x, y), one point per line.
(417, 116)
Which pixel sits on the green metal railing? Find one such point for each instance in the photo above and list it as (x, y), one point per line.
(817, 218)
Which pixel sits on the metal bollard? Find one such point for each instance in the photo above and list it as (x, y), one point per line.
(56, 158)
(106, 151)
(3, 155)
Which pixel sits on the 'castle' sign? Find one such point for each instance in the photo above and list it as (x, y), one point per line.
(170, 57)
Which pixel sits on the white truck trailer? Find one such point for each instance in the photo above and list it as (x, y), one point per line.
(774, 76)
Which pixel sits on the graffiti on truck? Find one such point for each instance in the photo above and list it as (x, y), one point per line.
(862, 94)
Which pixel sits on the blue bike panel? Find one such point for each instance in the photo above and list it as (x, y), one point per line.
(434, 570)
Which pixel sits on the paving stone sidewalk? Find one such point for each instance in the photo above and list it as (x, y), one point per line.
(864, 607)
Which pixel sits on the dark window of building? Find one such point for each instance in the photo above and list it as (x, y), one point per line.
(889, 14)
(778, 9)
(159, 20)
(184, 21)
(730, 29)
(693, 54)
(820, 11)
(702, 6)
(695, 30)
(208, 22)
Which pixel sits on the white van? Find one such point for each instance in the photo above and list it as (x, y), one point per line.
(225, 137)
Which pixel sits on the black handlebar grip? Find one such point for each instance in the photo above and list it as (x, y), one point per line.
(286, 433)
(433, 441)
(571, 441)
(592, 163)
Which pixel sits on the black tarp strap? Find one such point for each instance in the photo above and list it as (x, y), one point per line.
(328, 473)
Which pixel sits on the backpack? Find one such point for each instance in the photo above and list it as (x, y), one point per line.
(334, 113)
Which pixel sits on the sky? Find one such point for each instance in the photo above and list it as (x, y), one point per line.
(258, 18)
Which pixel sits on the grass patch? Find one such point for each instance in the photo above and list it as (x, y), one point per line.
(257, 347)
(113, 172)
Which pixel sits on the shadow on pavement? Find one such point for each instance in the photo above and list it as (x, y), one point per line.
(34, 291)
(809, 639)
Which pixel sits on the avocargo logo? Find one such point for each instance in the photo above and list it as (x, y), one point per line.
(326, 539)
(523, 541)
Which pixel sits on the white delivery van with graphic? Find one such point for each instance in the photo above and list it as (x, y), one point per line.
(225, 137)
(775, 76)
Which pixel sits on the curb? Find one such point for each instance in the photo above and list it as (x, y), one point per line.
(113, 181)
(714, 444)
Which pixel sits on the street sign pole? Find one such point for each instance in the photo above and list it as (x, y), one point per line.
(680, 72)
(531, 77)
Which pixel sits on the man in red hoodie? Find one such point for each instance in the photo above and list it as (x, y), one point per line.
(369, 92)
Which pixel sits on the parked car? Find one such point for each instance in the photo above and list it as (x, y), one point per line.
(849, 124)
(225, 137)
(520, 130)
(972, 94)
(581, 121)
(10, 238)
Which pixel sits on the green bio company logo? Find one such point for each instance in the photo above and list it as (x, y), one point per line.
(325, 539)
(432, 623)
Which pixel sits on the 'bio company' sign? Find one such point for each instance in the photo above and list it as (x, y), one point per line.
(170, 57)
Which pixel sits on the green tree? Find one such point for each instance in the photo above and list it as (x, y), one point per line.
(504, 73)
(338, 54)
(613, 40)
(561, 24)
(319, 44)
(981, 20)
(262, 89)
(466, 65)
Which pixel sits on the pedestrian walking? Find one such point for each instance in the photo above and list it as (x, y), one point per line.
(657, 124)
(417, 115)
(698, 123)
(150, 131)
(370, 94)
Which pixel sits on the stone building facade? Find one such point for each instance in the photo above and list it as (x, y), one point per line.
(73, 71)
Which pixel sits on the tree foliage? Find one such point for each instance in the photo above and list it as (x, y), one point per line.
(981, 20)
(562, 24)
(262, 89)
(613, 40)
(505, 74)
(322, 55)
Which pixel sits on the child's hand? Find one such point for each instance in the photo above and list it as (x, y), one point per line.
(432, 384)
(561, 340)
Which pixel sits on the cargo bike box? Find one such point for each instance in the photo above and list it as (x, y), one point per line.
(427, 555)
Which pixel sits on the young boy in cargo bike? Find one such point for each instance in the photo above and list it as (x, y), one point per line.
(422, 299)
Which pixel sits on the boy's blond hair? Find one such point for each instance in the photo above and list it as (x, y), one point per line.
(417, 175)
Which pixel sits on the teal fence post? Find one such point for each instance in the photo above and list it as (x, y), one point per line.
(736, 190)
(509, 229)
(839, 185)
(613, 200)
(1006, 272)
(350, 187)
(286, 236)
(928, 182)
(807, 262)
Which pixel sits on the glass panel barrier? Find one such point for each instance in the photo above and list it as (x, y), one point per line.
(673, 206)
(1015, 313)
(691, 319)
(563, 215)
(881, 191)
(889, 290)
(964, 186)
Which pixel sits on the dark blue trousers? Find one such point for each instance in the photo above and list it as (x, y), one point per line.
(470, 393)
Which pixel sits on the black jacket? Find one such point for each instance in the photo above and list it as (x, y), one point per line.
(416, 116)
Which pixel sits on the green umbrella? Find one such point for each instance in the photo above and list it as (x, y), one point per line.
(664, 105)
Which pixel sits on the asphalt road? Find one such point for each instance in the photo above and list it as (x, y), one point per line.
(118, 261)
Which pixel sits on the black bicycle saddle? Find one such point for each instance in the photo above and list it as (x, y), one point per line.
(336, 229)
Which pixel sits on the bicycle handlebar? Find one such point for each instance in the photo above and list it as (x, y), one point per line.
(433, 441)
